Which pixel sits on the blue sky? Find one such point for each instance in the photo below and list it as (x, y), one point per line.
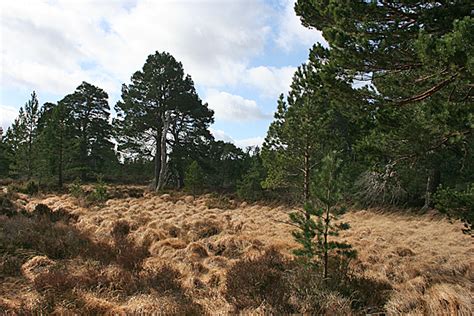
(241, 54)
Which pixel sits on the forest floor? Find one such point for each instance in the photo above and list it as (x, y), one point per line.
(88, 260)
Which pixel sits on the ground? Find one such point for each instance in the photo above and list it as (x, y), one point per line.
(425, 260)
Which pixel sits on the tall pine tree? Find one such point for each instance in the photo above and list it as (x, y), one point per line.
(158, 108)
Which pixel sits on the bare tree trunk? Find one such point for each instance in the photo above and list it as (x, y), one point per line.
(157, 159)
(432, 184)
(163, 169)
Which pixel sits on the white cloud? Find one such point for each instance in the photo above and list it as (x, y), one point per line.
(292, 33)
(242, 143)
(253, 141)
(271, 81)
(7, 116)
(230, 107)
(48, 43)
(221, 135)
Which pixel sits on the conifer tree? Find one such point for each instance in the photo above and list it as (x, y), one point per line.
(21, 137)
(55, 140)
(316, 225)
(160, 102)
(92, 147)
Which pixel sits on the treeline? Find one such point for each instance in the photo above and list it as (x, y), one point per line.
(392, 98)
(161, 128)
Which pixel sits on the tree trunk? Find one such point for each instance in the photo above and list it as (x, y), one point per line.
(162, 175)
(326, 250)
(432, 183)
(157, 160)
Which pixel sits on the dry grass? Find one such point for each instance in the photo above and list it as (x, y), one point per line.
(187, 249)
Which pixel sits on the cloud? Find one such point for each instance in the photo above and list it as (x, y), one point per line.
(221, 135)
(234, 108)
(253, 141)
(48, 43)
(7, 116)
(271, 81)
(292, 33)
(242, 143)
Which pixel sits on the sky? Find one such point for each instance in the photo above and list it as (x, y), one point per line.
(241, 54)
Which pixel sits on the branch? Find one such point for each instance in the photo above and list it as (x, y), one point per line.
(428, 92)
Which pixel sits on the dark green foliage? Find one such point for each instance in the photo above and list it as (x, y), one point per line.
(92, 148)
(417, 119)
(194, 178)
(224, 165)
(322, 112)
(55, 141)
(5, 156)
(76, 189)
(457, 203)
(250, 187)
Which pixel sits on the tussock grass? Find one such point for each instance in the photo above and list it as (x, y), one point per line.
(142, 252)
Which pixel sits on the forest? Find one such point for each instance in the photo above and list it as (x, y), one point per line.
(382, 118)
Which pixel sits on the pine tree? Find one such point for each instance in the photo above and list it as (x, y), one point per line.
(313, 234)
(92, 147)
(161, 101)
(250, 187)
(55, 141)
(21, 137)
(426, 46)
(320, 113)
(4, 156)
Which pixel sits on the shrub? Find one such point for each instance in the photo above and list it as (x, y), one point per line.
(194, 178)
(249, 283)
(31, 188)
(99, 193)
(250, 187)
(459, 204)
(221, 202)
(76, 189)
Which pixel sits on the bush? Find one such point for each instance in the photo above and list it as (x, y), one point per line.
(30, 188)
(250, 188)
(459, 204)
(99, 194)
(221, 202)
(76, 189)
(194, 178)
(251, 282)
